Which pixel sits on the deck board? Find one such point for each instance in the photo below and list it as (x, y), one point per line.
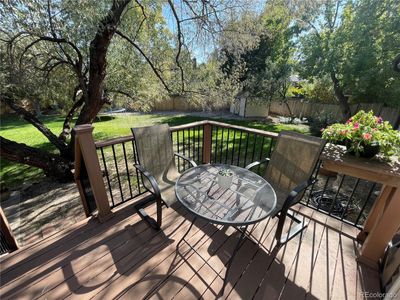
(124, 258)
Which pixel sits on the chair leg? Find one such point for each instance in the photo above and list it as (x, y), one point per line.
(159, 212)
(142, 213)
(293, 231)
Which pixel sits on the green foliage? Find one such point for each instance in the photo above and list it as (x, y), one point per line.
(259, 57)
(365, 129)
(356, 40)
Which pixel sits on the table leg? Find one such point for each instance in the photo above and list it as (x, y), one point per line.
(229, 264)
(190, 227)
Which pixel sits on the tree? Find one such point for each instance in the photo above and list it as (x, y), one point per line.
(322, 44)
(44, 38)
(354, 43)
(261, 56)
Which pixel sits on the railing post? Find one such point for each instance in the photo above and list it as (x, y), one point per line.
(85, 150)
(207, 140)
(380, 227)
(6, 232)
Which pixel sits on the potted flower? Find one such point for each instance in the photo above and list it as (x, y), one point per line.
(225, 177)
(365, 135)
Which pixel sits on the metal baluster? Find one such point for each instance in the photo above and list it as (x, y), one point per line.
(247, 146)
(271, 144)
(107, 175)
(240, 146)
(336, 195)
(233, 147)
(216, 142)
(323, 192)
(222, 144)
(183, 145)
(136, 160)
(116, 169)
(365, 203)
(227, 147)
(350, 198)
(198, 145)
(312, 186)
(194, 143)
(261, 151)
(177, 146)
(254, 147)
(127, 169)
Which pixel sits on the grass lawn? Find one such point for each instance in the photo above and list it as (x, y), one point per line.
(18, 130)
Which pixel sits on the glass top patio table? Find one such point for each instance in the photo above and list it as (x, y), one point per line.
(248, 200)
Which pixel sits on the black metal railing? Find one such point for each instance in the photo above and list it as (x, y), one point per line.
(117, 158)
(343, 197)
(239, 147)
(189, 142)
(4, 246)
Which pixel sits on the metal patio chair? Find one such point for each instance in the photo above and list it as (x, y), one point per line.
(289, 171)
(156, 159)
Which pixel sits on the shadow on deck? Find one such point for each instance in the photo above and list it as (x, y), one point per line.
(124, 258)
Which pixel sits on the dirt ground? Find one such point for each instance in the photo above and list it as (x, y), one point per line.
(41, 209)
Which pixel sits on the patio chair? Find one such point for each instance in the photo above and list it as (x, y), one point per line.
(156, 159)
(289, 171)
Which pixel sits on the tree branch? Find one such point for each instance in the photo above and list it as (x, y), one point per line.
(180, 43)
(29, 117)
(155, 70)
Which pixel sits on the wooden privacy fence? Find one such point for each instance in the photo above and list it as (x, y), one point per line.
(106, 176)
(303, 108)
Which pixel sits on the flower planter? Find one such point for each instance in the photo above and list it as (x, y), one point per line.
(369, 151)
(225, 180)
(365, 135)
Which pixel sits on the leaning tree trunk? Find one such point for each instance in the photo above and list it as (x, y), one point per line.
(97, 68)
(52, 165)
(343, 103)
(98, 63)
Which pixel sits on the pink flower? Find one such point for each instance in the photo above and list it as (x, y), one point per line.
(378, 120)
(322, 129)
(356, 125)
(349, 120)
(367, 136)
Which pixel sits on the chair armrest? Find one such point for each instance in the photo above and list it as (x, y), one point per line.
(150, 178)
(296, 191)
(191, 161)
(256, 163)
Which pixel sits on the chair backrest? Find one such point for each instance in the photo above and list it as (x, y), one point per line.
(155, 149)
(293, 160)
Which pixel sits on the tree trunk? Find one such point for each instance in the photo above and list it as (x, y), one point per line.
(66, 131)
(343, 103)
(98, 62)
(53, 165)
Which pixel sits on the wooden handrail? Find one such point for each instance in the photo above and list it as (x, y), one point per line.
(127, 138)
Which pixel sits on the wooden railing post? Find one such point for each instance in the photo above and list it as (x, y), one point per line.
(207, 140)
(85, 150)
(6, 232)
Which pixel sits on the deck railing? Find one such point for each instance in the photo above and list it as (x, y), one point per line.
(343, 197)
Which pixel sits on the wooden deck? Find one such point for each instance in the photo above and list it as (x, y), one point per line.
(124, 258)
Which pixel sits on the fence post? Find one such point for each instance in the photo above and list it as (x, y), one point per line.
(85, 150)
(207, 140)
(6, 232)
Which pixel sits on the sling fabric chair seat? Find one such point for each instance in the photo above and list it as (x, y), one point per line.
(289, 171)
(157, 165)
